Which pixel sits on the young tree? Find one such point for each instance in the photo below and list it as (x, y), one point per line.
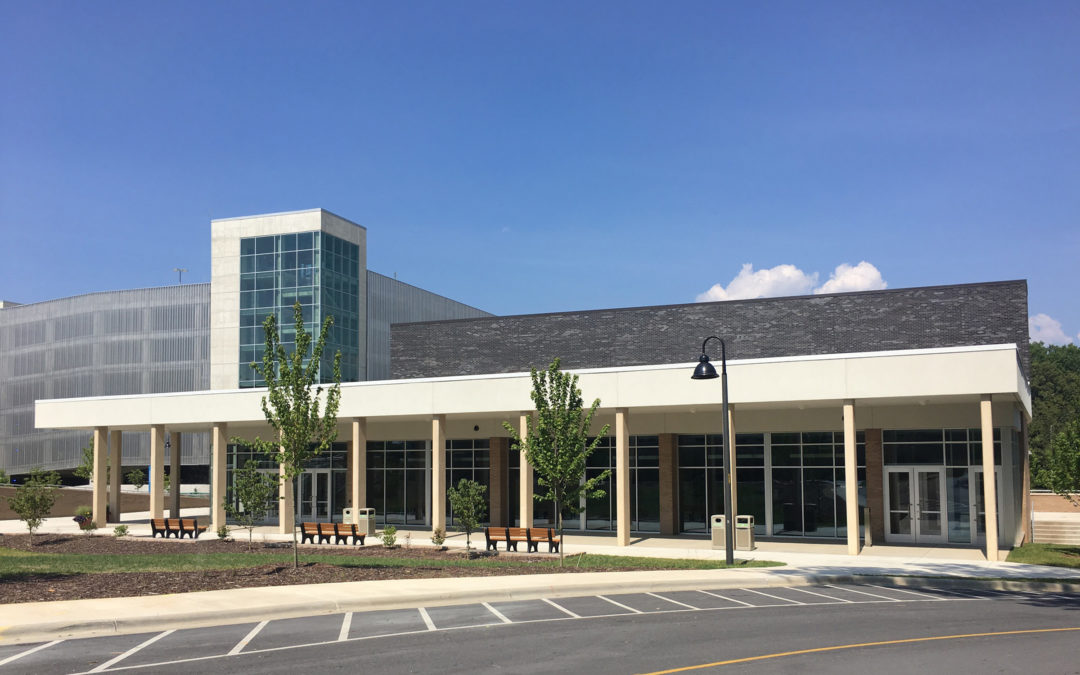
(557, 444)
(1061, 470)
(35, 498)
(136, 477)
(468, 501)
(86, 469)
(292, 401)
(248, 500)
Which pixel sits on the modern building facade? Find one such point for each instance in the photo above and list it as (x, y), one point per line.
(197, 337)
(891, 409)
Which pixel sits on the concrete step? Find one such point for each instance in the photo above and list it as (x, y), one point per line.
(1067, 533)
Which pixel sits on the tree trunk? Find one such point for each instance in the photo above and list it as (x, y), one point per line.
(559, 526)
(295, 550)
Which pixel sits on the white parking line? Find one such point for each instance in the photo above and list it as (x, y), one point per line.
(872, 595)
(774, 597)
(619, 604)
(724, 597)
(502, 617)
(247, 638)
(427, 618)
(901, 590)
(820, 595)
(131, 651)
(561, 608)
(346, 624)
(676, 602)
(29, 651)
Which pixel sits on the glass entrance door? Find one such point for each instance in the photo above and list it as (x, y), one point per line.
(915, 500)
(314, 497)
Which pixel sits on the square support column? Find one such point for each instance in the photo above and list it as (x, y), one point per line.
(101, 450)
(1025, 467)
(986, 415)
(157, 471)
(498, 449)
(875, 486)
(219, 448)
(669, 484)
(438, 473)
(525, 482)
(286, 503)
(174, 474)
(851, 478)
(622, 476)
(115, 473)
(358, 466)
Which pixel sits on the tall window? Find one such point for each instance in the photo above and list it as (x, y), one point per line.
(467, 459)
(397, 481)
(808, 483)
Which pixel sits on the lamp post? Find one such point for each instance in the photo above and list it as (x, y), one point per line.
(706, 371)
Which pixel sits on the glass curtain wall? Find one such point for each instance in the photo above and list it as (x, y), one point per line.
(701, 479)
(471, 459)
(325, 506)
(398, 481)
(808, 484)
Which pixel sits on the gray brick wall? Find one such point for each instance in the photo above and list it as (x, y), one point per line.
(907, 318)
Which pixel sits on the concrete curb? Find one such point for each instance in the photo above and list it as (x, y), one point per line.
(46, 621)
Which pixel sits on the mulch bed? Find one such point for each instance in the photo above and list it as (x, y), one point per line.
(47, 587)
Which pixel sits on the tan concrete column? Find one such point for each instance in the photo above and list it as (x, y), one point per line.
(101, 453)
(525, 478)
(989, 483)
(497, 453)
(358, 466)
(730, 462)
(218, 449)
(157, 471)
(875, 485)
(287, 502)
(851, 478)
(174, 474)
(438, 472)
(1025, 464)
(669, 484)
(115, 472)
(622, 476)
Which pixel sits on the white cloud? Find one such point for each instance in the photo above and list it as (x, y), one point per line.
(790, 280)
(767, 283)
(1045, 328)
(861, 277)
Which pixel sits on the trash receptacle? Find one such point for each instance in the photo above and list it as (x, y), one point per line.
(346, 515)
(366, 523)
(717, 530)
(744, 533)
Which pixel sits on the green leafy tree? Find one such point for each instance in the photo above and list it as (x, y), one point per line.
(292, 401)
(3, 477)
(468, 501)
(248, 500)
(1055, 394)
(136, 477)
(1061, 469)
(85, 470)
(34, 499)
(557, 443)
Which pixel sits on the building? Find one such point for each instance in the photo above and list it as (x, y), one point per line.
(892, 407)
(196, 337)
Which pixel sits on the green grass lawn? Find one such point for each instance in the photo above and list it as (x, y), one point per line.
(14, 564)
(1046, 554)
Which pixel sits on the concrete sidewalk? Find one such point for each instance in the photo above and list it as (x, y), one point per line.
(806, 564)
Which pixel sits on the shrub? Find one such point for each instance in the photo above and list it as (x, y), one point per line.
(223, 533)
(389, 536)
(84, 511)
(34, 499)
(136, 477)
(438, 536)
(120, 531)
(89, 527)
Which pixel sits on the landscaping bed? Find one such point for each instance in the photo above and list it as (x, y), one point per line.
(74, 566)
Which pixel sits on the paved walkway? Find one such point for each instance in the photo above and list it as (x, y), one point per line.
(805, 563)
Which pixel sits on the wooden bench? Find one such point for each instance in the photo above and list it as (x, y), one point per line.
(515, 535)
(342, 532)
(159, 526)
(323, 532)
(190, 527)
(539, 535)
(308, 532)
(494, 535)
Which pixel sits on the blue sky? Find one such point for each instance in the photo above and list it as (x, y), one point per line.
(552, 156)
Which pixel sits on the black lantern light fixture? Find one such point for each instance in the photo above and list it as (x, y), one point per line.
(706, 371)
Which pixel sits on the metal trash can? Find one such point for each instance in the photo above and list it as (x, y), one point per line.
(365, 524)
(346, 515)
(717, 529)
(744, 533)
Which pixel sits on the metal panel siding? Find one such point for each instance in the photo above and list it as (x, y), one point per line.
(911, 318)
(391, 301)
(123, 342)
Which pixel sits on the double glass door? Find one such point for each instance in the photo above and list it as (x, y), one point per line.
(314, 496)
(915, 499)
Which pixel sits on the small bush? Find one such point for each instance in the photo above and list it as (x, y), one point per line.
(89, 528)
(438, 536)
(223, 533)
(120, 531)
(84, 511)
(389, 536)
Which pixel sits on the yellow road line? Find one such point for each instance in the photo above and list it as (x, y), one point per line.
(856, 646)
